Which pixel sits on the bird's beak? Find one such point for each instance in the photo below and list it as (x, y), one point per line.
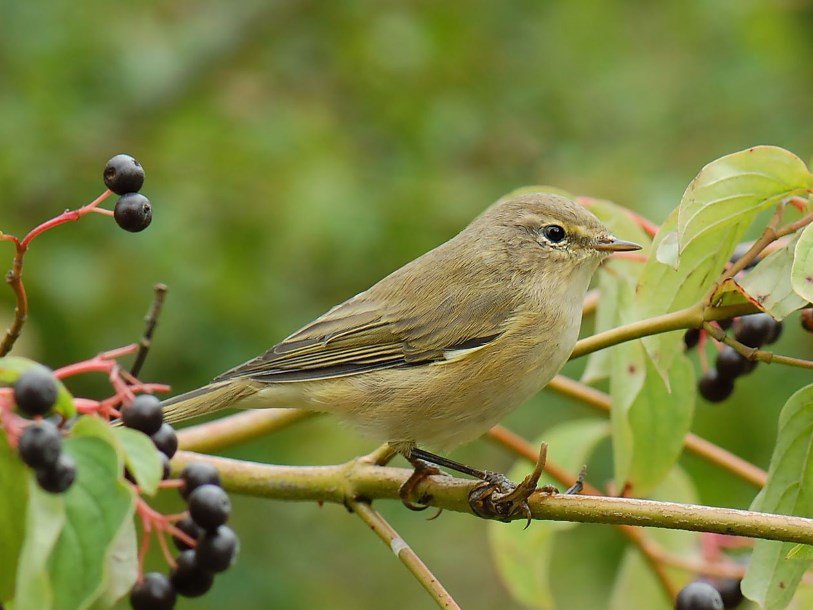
(613, 244)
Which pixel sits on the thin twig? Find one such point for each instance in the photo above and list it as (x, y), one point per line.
(753, 353)
(151, 320)
(697, 445)
(690, 317)
(404, 553)
(355, 479)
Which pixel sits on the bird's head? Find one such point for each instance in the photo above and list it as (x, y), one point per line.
(550, 230)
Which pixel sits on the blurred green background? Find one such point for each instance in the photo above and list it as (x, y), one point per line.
(296, 152)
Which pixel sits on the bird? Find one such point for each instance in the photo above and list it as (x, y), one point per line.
(440, 350)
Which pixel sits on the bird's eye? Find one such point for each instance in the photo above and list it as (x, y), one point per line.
(553, 233)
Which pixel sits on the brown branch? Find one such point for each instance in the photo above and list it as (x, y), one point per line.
(151, 320)
(404, 553)
(753, 353)
(357, 479)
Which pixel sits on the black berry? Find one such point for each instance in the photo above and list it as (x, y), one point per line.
(217, 550)
(691, 338)
(713, 387)
(143, 414)
(730, 363)
(35, 391)
(58, 477)
(754, 330)
(188, 527)
(776, 332)
(123, 174)
(40, 445)
(188, 578)
(698, 595)
(198, 474)
(725, 324)
(155, 592)
(729, 590)
(165, 470)
(133, 212)
(209, 506)
(165, 440)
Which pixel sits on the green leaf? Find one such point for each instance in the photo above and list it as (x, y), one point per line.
(801, 274)
(731, 191)
(11, 367)
(523, 557)
(46, 518)
(768, 285)
(801, 551)
(772, 578)
(13, 506)
(649, 417)
(97, 506)
(121, 569)
(141, 457)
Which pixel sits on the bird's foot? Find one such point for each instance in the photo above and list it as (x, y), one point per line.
(498, 498)
(408, 489)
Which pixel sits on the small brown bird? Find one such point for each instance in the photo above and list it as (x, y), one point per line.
(440, 350)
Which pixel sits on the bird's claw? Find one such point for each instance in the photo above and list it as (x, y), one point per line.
(499, 498)
(407, 490)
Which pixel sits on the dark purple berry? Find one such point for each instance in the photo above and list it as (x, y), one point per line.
(40, 445)
(165, 440)
(776, 332)
(155, 592)
(754, 330)
(188, 578)
(123, 174)
(209, 506)
(190, 528)
(713, 387)
(725, 324)
(691, 338)
(58, 477)
(730, 363)
(133, 212)
(143, 414)
(729, 590)
(165, 469)
(35, 391)
(197, 474)
(698, 595)
(217, 550)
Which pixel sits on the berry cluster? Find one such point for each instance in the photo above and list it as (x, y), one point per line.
(215, 544)
(40, 445)
(755, 330)
(124, 176)
(710, 594)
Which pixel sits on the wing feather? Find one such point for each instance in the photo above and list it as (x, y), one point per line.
(416, 315)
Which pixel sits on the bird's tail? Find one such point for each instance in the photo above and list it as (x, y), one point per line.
(208, 399)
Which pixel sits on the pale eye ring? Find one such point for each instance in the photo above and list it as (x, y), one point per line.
(554, 233)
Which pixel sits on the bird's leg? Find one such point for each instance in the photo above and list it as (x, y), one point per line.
(407, 490)
(495, 499)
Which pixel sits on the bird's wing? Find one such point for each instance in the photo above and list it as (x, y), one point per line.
(382, 328)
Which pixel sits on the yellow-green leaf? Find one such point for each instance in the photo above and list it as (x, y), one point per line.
(801, 275)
